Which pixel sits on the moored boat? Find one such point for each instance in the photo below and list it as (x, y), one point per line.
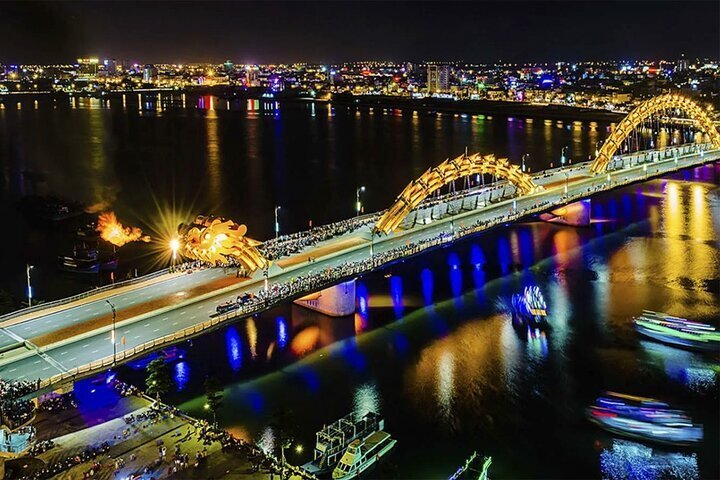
(332, 441)
(363, 454)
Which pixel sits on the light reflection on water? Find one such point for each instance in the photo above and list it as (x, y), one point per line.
(454, 367)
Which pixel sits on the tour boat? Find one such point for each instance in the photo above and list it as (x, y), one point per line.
(678, 331)
(332, 441)
(529, 311)
(644, 418)
(363, 454)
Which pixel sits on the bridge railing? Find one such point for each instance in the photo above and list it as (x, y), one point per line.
(80, 296)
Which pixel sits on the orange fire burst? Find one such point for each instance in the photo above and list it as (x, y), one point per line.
(113, 231)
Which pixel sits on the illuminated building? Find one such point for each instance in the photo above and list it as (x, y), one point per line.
(150, 74)
(438, 78)
(87, 67)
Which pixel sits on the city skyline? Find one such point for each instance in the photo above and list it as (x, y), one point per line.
(286, 32)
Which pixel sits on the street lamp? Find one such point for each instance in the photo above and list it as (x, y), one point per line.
(523, 161)
(28, 267)
(277, 223)
(112, 335)
(358, 205)
(562, 155)
(174, 247)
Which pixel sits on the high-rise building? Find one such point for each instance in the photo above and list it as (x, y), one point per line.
(438, 78)
(150, 74)
(110, 66)
(87, 67)
(682, 64)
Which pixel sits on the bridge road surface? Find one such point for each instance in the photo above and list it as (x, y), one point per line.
(79, 352)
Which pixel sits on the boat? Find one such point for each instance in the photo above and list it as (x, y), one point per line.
(88, 260)
(645, 419)
(332, 441)
(678, 332)
(363, 454)
(473, 468)
(529, 311)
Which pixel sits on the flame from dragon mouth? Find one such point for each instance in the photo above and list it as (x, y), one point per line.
(114, 232)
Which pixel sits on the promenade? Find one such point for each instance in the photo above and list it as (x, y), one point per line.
(65, 342)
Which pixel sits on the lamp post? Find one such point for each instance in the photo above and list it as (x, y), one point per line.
(562, 156)
(523, 161)
(174, 247)
(277, 223)
(28, 267)
(112, 335)
(358, 205)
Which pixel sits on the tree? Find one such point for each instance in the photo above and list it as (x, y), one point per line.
(158, 380)
(213, 395)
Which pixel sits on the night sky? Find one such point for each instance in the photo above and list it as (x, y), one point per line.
(266, 32)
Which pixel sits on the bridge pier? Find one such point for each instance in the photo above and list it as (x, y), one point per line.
(336, 301)
(576, 214)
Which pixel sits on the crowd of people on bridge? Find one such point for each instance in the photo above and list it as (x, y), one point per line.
(296, 242)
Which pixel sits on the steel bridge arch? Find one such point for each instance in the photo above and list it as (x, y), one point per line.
(448, 171)
(643, 111)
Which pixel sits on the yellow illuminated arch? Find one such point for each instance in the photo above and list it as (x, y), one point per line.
(643, 111)
(449, 171)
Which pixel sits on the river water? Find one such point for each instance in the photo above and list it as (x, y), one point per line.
(159, 160)
(430, 346)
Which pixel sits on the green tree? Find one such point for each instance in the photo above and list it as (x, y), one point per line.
(213, 396)
(158, 380)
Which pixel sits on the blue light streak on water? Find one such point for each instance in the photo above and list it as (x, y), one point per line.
(309, 377)
(234, 348)
(504, 255)
(426, 279)
(362, 295)
(455, 274)
(396, 294)
(95, 392)
(181, 374)
(349, 352)
(627, 206)
(282, 336)
(527, 254)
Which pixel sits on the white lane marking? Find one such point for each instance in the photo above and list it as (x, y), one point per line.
(175, 323)
(156, 330)
(63, 353)
(183, 313)
(12, 370)
(46, 368)
(94, 351)
(36, 362)
(86, 345)
(165, 318)
(146, 325)
(193, 317)
(72, 359)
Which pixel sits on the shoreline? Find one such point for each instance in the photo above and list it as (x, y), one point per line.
(427, 105)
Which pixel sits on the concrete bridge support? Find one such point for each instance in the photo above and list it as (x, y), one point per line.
(576, 214)
(336, 301)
